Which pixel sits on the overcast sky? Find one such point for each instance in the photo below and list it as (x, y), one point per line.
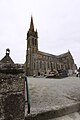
(57, 23)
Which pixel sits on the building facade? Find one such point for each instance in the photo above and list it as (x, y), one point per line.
(38, 62)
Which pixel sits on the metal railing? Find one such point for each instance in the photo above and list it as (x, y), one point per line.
(28, 97)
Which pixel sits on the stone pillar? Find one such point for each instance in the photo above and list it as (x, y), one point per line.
(12, 98)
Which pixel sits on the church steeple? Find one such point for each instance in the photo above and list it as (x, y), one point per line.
(31, 31)
(32, 47)
(31, 24)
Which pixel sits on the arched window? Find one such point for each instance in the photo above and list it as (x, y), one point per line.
(35, 42)
(34, 65)
(32, 41)
(40, 64)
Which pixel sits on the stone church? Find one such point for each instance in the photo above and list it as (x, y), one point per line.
(38, 62)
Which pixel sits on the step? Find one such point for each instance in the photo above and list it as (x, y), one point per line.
(55, 112)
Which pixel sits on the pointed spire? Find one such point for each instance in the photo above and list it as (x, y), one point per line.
(36, 33)
(36, 30)
(31, 24)
(68, 51)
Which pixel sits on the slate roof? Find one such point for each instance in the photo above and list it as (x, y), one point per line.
(46, 54)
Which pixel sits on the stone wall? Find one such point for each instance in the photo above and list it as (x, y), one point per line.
(12, 100)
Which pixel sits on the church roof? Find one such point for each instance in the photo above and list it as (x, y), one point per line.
(46, 54)
(64, 54)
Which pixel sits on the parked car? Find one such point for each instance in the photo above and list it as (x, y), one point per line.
(62, 73)
(51, 74)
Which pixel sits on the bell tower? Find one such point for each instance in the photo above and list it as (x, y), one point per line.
(32, 47)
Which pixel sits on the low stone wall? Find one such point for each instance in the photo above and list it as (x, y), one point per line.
(12, 100)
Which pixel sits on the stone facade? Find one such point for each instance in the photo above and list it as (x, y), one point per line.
(12, 97)
(38, 62)
(12, 90)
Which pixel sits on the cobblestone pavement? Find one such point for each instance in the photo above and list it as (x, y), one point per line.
(45, 94)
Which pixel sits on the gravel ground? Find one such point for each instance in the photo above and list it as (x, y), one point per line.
(46, 94)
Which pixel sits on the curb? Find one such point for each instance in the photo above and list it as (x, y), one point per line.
(56, 112)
